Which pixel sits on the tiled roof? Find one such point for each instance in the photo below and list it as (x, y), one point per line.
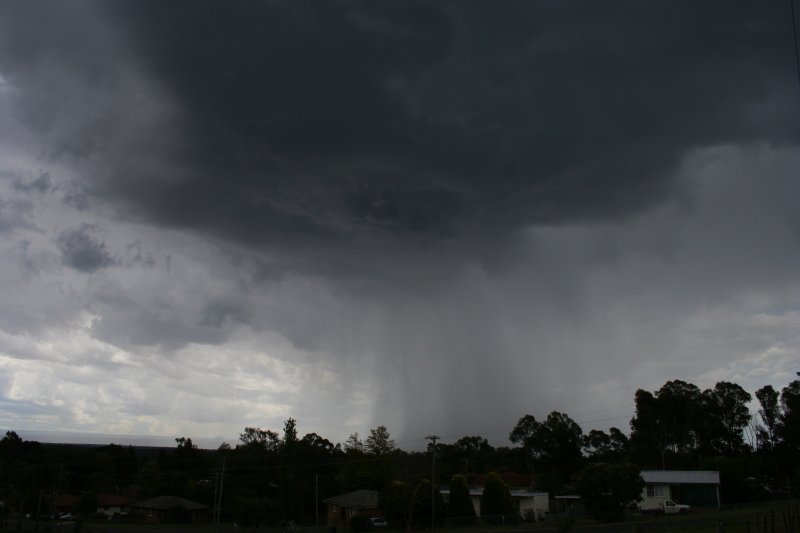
(65, 500)
(358, 499)
(512, 479)
(112, 500)
(163, 503)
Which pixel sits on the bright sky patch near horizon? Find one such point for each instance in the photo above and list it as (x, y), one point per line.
(434, 216)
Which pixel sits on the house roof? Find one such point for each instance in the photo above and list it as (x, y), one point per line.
(103, 500)
(112, 500)
(65, 500)
(358, 499)
(478, 491)
(512, 479)
(162, 503)
(708, 477)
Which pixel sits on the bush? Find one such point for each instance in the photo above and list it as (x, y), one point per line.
(496, 499)
(360, 523)
(607, 489)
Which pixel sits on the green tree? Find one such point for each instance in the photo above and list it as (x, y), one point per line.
(496, 499)
(602, 447)
(84, 508)
(252, 512)
(354, 443)
(620, 444)
(556, 442)
(724, 419)
(667, 422)
(379, 441)
(606, 489)
(770, 412)
(422, 503)
(289, 432)
(681, 404)
(789, 427)
(459, 503)
(396, 502)
(264, 438)
(360, 523)
(525, 432)
(649, 434)
(475, 451)
(149, 478)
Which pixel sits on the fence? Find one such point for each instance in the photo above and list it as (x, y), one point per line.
(778, 519)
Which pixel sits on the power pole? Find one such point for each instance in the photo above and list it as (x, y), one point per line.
(433, 438)
(218, 496)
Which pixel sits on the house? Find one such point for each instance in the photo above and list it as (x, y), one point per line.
(113, 504)
(341, 508)
(569, 504)
(527, 503)
(64, 503)
(170, 509)
(692, 487)
(514, 480)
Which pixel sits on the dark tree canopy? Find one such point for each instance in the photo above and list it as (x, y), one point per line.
(556, 443)
(770, 413)
(606, 489)
(496, 499)
(289, 432)
(724, 418)
(379, 441)
(396, 503)
(669, 422)
(264, 438)
(789, 428)
(459, 503)
(270, 479)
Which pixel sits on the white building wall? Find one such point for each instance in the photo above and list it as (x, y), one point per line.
(538, 503)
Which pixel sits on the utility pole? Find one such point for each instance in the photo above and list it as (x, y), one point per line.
(218, 496)
(433, 438)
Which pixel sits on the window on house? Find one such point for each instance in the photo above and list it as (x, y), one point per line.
(655, 490)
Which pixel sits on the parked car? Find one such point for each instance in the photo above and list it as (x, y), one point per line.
(378, 522)
(671, 507)
(65, 516)
(657, 505)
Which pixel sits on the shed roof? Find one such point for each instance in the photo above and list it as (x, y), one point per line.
(358, 499)
(707, 477)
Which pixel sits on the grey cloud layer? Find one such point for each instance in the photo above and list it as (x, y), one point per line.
(430, 215)
(360, 124)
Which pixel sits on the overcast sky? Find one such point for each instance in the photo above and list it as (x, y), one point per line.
(435, 216)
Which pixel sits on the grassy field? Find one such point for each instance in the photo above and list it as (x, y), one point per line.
(773, 517)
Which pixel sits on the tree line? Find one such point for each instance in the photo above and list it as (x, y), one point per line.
(271, 477)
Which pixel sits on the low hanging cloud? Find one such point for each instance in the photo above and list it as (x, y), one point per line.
(82, 250)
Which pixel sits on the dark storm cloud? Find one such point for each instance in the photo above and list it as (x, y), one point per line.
(307, 124)
(82, 250)
(414, 117)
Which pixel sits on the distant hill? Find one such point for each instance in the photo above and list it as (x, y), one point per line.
(102, 439)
